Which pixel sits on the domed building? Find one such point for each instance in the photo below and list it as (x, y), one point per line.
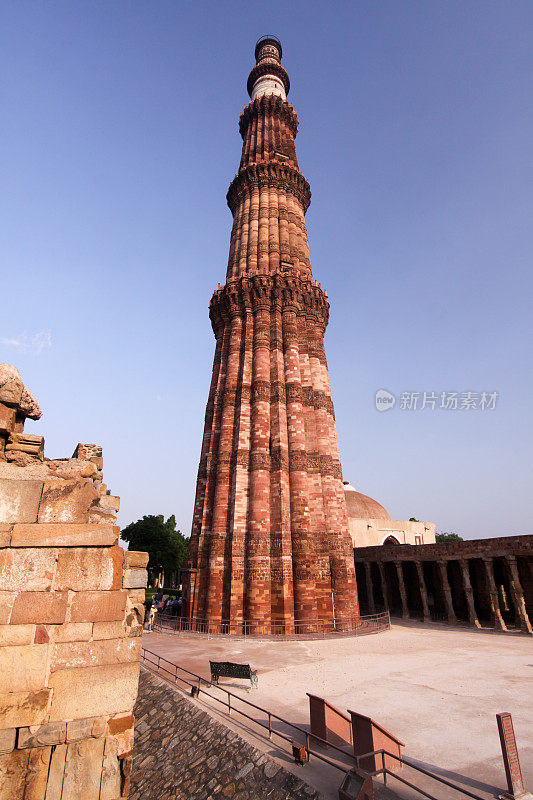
(370, 523)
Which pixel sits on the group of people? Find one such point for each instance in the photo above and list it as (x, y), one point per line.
(162, 604)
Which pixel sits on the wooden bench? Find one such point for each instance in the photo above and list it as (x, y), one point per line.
(226, 669)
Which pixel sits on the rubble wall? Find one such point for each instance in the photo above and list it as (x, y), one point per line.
(71, 613)
(181, 753)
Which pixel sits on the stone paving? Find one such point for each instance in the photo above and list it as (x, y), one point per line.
(436, 687)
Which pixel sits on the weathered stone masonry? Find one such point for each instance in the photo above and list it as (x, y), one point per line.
(270, 538)
(181, 753)
(71, 613)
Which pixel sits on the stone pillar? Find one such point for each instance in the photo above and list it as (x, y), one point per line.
(258, 602)
(303, 548)
(219, 533)
(383, 585)
(493, 593)
(253, 230)
(423, 591)
(403, 593)
(518, 595)
(369, 588)
(469, 593)
(452, 619)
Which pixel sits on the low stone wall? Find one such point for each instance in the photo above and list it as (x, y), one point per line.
(181, 752)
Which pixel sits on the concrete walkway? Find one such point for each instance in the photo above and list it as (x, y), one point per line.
(437, 688)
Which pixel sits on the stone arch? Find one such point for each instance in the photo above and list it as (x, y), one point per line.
(390, 539)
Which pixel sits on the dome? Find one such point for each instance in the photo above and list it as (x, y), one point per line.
(359, 506)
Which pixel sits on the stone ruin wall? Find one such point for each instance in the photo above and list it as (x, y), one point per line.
(71, 613)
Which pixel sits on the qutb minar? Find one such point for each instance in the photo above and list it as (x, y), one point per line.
(270, 548)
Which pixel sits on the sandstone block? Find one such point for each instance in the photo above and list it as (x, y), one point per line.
(110, 501)
(6, 606)
(66, 500)
(135, 578)
(42, 634)
(56, 772)
(102, 516)
(18, 709)
(89, 568)
(39, 607)
(87, 452)
(106, 690)
(94, 654)
(53, 733)
(134, 611)
(120, 723)
(72, 468)
(110, 630)
(16, 635)
(111, 781)
(31, 568)
(5, 535)
(83, 770)
(7, 419)
(23, 668)
(7, 740)
(86, 728)
(73, 632)
(135, 559)
(63, 534)
(37, 775)
(136, 597)
(26, 443)
(11, 385)
(19, 500)
(13, 768)
(98, 606)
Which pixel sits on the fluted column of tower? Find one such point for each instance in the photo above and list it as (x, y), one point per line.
(270, 541)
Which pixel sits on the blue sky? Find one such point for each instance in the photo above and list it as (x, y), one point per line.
(120, 140)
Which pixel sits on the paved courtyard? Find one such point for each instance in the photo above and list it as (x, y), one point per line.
(437, 688)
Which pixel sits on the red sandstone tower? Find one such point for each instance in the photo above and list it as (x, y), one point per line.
(270, 541)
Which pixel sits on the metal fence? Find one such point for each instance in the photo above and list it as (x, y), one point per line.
(314, 628)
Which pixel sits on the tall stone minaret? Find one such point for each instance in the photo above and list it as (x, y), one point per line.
(270, 539)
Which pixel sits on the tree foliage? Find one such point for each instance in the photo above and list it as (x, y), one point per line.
(166, 546)
(442, 538)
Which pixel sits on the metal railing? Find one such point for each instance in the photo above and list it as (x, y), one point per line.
(406, 762)
(173, 673)
(315, 628)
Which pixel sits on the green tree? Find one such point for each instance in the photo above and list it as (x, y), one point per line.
(413, 519)
(166, 546)
(442, 538)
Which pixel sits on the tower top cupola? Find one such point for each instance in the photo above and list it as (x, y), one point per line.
(268, 76)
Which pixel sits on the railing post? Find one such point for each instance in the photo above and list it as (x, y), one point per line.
(269, 725)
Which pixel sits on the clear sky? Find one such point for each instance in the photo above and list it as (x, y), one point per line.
(120, 138)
